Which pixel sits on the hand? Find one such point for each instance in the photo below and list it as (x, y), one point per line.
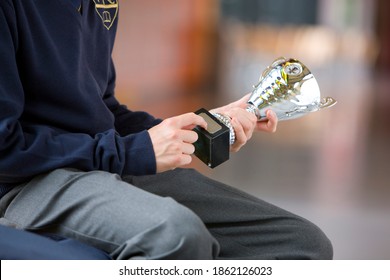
(268, 125)
(245, 123)
(173, 140)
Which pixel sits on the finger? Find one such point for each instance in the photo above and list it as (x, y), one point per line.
(243, 129)
(246, 120)
(243, 101)
(184, 159)
(188, 136)
(272, 120)
(188, 149)
(189, 121)
(249, 124)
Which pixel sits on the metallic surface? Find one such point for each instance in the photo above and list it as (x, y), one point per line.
(289, 89)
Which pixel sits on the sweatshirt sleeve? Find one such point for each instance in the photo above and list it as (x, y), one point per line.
(27, 149)
(126, 121)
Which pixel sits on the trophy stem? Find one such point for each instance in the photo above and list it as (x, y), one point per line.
(254, 110)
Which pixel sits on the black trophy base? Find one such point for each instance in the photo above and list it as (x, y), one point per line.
(213, 144)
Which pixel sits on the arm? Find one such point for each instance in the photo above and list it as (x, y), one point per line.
(28, 149)
(171, 139)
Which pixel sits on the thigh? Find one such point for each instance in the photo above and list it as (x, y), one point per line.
(97, 208)
(245, 226)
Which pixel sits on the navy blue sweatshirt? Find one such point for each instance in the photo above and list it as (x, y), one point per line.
(57, 82)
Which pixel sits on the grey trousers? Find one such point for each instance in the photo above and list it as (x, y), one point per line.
(179, 214)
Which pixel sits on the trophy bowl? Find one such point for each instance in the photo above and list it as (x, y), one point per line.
(288, 88)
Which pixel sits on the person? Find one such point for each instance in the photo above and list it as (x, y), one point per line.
(76, 163)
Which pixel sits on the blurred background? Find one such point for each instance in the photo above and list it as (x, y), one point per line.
(333, 166)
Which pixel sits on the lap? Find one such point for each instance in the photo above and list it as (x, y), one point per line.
(97, 208)
(244, 225)
(91, 206)
(207, 197)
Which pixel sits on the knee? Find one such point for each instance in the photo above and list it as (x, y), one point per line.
(185, 235)
(314, 243)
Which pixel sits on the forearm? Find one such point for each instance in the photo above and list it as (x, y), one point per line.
(28, 155)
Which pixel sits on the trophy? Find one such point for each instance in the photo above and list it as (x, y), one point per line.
(286, 86)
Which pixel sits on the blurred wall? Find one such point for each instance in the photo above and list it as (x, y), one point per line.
(164, 50)
(174, 56)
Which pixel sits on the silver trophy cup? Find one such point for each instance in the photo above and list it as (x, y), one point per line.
(288, 88)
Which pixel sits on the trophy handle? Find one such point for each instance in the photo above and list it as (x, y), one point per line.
(327, 102)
